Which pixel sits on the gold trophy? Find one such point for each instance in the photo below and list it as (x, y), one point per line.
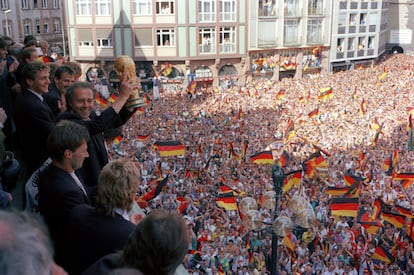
(125, 67)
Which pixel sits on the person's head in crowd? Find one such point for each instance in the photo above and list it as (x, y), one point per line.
(29, 55)
(44, 46)
(3, 48)
(64, 76)
(25, 246)
(29, 38)
(117, 186)
(67, 144)
(36, 77)
(158, 244)
(80, 97)
(16, 50)
(76, 67)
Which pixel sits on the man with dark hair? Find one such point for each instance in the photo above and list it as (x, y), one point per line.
(80, 97)
(96, 232)
(60, 189)
(25, 247)
(63, 77)
(157, 246)
(34, 118)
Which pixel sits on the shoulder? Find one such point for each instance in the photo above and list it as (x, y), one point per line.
(105, 264)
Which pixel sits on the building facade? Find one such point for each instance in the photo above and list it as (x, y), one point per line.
(358, 36)
(42, 18)
(224, 42)
(400, 26)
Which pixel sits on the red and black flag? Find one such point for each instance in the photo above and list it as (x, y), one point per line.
(284, 159)
(313, 113)
(101, 100)
(155, 191)
(169, 148)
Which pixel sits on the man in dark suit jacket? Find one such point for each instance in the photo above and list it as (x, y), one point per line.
(95, 232)
(60, 189)
(33, 117)
(80, 97)
(55, 98)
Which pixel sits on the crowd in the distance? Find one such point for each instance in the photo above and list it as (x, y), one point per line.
(357, 120)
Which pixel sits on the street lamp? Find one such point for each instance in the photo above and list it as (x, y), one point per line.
(278, 177)
(7, 22)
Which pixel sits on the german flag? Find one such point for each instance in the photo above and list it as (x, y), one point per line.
(227, 201)
(281, 94)
(406, 183)
(316, 160)
(404, 211)
(264, 157)
(382, 254)
(404, 176)
(101, 100)
(371, 227)
(146, 99)
(337, 191)
(292, 179)
(244, 150)
(167, 69)
(169, 148)
(393, 218)
(314, 113)
(155, 191)
(365, 219)
(377, 134)
(290, 131)
(118, 139)
(113, 97)
(350, 179)
(344, 207)
(325, 152)
(325, 93)
(225, 189)
(143, 137)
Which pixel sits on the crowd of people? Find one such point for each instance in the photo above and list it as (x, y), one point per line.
(359, 122)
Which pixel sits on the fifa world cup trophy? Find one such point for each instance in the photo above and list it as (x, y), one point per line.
(125, 68)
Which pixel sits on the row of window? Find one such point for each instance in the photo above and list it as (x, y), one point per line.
(267, 8)
(38, 24)
(208, 38)
(34, 4)
(355, 43)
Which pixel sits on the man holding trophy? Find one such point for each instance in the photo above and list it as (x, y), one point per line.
(80, 98)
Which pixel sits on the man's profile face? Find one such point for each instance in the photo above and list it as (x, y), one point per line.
(64, 81)
(79, 155)
(83, 102)
(3, 53)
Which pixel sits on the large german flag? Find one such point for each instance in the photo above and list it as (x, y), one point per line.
(227, 201)
(344, 207)
(396, 219)
(292, 179)
(169, 148)
(382, 254)
(264, 157)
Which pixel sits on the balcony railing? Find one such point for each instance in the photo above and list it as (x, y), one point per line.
(350, 54)
(352, 29)
(372, 28)
(341, 30)
(362, 28)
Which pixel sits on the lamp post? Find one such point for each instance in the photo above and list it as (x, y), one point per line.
(278, 177)
(7, 21)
